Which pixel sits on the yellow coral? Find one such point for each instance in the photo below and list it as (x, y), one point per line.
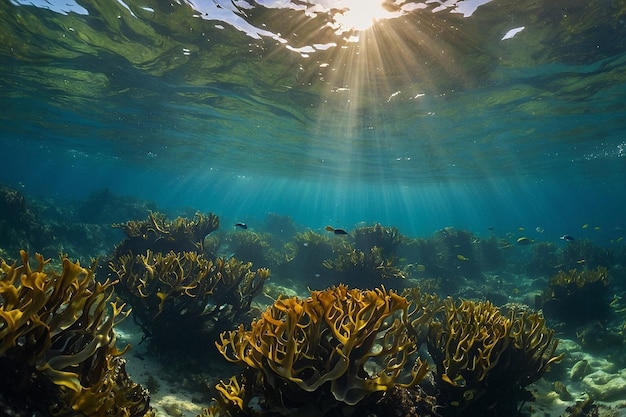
(354, 340)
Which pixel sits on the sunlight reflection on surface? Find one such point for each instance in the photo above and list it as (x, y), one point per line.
(361, 14)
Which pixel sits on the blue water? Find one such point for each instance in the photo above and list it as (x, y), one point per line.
(430, 120)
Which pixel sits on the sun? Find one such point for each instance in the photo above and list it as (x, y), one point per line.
(360, 15)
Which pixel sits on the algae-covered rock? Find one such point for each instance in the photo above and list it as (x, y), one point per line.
(604, 386)
(579, 370)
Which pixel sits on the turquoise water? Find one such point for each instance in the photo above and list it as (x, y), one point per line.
(430, 119)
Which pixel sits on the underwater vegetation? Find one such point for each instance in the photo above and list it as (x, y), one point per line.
(305, 256)
(583, 252)
(370, 266)
(104, 207)
(451, 256)
(347, 347)
(82, 228)
(388, 239)
(313, 355)
(343, 348)
(182, 298)
(19, 225)
(485, 357)
(577, 296)
(159, 234)
(544, 260)
(57, 345)
(179, 293)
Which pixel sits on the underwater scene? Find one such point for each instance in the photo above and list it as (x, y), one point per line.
(313, 208)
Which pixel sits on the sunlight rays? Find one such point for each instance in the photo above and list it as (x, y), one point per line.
(361, 14)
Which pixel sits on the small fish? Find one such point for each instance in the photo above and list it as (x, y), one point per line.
(524, 241)
(462, 258)
(241, 225)
(521, 229)
(581, 261)
(597, 228)
(539, 229)
(421, 268)
(336, 231)
(568, 238)
(585, 226)
(619, 239)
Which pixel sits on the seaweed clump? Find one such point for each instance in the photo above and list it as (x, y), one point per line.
(159, 234)
(576, 297)
(19, 226)
(346, 352)
(57, 345)
(485, 358)
(304, 257)
(369, 267)
(386, 238)
(182, 297)
(315, 355)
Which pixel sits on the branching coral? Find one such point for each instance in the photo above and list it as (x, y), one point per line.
(57, 345)
(345, 342)
(176, 296)
(161, 235)
(485, 358)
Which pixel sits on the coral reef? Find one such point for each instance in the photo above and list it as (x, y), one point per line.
(57, 345)
(158, 234)
(576, 297)
(182, 297)
(485, 358)
(327, 351)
